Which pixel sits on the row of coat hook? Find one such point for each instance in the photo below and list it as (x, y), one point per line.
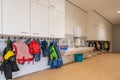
(25, 37)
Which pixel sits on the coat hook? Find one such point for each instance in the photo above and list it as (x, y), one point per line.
(8, 37)
(21, 38)
(14, 37)
(2, 37)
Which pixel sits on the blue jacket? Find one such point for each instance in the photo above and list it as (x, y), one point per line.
(55, 63)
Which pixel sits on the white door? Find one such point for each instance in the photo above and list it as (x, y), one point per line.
(16, 17)
(57, 18)
(0, 16)
(39, 18)
(56, 24)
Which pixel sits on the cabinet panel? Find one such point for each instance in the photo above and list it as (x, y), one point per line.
(57, 5)
(0, 16)
(90, 28)
(16, 17)
(56, 24)
(39, 19)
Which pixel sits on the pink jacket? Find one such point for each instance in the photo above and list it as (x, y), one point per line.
(22, 52)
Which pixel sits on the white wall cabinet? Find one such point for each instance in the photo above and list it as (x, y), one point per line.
(44, 18)
(16, 17)
(98, 28)
(56, 24)
(90, 28)
(57, 18)
(0, 16)
(47, 18)
(39, 18)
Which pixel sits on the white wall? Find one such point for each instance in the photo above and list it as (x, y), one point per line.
(116, 38)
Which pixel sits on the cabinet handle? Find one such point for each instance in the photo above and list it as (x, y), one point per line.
(35, 33)
(52, 6)
(24, 32)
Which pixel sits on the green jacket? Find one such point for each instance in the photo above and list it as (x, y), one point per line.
(53, 53)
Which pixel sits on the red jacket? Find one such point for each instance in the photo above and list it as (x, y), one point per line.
(34, 47)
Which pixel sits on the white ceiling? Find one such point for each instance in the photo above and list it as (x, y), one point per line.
(106, 8)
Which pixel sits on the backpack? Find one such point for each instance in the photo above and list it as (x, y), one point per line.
(34, 49)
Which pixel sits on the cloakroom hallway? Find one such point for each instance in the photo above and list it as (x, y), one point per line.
(100, 67)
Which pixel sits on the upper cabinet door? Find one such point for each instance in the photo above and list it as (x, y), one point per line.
(56, 24)
(57, 18)
(39, 18)
(0, 16)
(57, 5)
(16, 17)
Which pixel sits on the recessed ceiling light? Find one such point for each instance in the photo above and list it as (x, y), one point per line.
(118, 11)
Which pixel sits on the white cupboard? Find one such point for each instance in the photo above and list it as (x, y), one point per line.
(98, 28)
(0, 16)
(57, 18)
(44, 18)
(16, 17)
(56, 24)
(48, 18)
(39, 18)
(90, 28)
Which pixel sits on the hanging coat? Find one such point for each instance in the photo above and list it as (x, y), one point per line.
(55, 59)
(34, 49)
(107, 45)
(60, 61)
(22, 52)
(90, 44)
(9, 64)
(45, 48)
